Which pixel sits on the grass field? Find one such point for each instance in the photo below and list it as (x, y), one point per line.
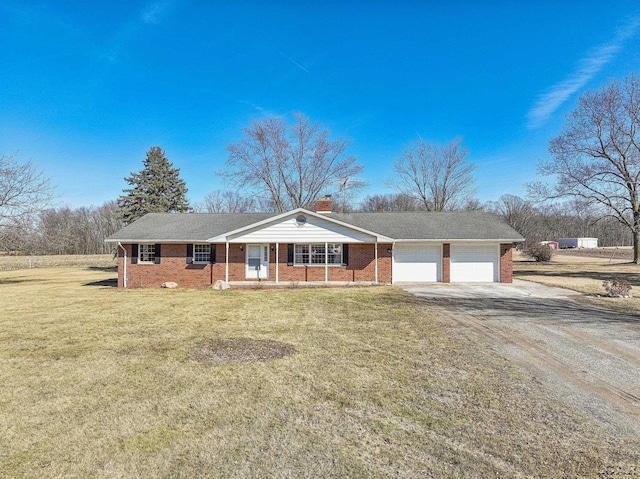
(105, 382)
(12, 263)
(585, 273)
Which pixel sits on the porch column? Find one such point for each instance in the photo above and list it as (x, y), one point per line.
(226, 263)
(376, 257)
(326, 262)
(277, 263)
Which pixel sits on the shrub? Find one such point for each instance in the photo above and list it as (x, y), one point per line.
(617, 288)
(539, 252)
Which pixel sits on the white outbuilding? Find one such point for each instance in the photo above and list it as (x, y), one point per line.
(565, 243)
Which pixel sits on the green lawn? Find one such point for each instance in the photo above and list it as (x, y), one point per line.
(105, 382)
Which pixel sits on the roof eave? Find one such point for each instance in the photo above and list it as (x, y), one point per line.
(157, 241)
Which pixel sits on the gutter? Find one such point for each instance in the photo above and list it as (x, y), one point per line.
(124, 279)
(460, 240)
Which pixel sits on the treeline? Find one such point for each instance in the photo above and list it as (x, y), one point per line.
(536, 223)
(66, 230)
(560, 220)
(63, 230)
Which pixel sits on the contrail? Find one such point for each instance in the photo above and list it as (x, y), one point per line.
(548, 102)
(294, 62)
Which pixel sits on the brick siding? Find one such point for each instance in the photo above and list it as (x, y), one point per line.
(446, 263)
(361, 267)
(173, 267)
(506, 263)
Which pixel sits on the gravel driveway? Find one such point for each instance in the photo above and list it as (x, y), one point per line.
(585, 355)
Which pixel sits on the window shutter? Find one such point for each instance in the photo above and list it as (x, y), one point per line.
(290, 255)
(157, 253)
(189, 253)
(345, 254)
(212, 259)
(134, 253)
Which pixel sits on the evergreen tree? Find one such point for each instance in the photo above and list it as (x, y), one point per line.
(158, 188)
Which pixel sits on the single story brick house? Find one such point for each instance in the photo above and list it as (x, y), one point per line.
(196, 249)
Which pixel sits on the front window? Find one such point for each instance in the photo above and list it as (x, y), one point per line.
(202, 253)
(147, 253)
(317, 254)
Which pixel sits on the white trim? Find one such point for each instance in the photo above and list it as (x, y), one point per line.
(274, 219)
(146, 243)
(311, 254)
(194, 253)
(157, 241)
(466, 240)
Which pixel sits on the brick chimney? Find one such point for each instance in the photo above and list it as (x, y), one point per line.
(324, 204)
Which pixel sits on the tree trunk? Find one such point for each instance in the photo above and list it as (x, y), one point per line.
(636, 245)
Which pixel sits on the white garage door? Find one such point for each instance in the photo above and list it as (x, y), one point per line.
(416, 262)
(474, 263)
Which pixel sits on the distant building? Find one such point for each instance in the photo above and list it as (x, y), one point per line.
(565, 243)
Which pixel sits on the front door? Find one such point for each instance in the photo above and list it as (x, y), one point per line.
(257, 261)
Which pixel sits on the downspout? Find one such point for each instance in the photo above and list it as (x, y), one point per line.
(124, 279)
(226, 262)
(277, 262)
(393, 252)
(376, 256)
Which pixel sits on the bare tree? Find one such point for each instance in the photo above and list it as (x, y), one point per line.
(226, 201)
(63, 230)
(520, 214)
(390, 202)
(472, 204)
(440, 177)
(291, 166)
(596, 157)
(23, 190)
(15, 236)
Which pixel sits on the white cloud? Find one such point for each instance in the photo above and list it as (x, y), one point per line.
(155, 11)
(152, 14)
(548, 102)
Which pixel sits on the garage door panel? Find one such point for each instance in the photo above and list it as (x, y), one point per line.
(416, 262)
(474, 263)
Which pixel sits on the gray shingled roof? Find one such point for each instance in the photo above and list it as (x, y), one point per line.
(196, 227)
(433, 226)
(185, 227)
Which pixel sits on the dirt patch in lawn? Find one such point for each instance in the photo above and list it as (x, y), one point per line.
(240, 350)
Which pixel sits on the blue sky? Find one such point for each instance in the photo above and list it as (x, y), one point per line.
(87, 87)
